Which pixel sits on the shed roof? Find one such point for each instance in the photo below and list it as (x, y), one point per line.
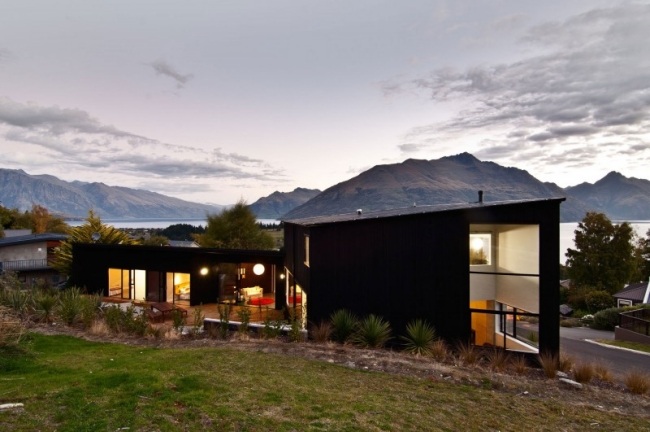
(360, 215)
(31, 238)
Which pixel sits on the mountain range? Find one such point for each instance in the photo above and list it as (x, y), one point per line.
(450, 179)
(74, 199)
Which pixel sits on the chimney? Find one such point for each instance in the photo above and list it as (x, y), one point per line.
(480, 197)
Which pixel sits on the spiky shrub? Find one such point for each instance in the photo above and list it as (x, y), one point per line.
(44, 305)
(372, 332)
(583, 372)
(549, 364)
(19, 301)
(637, 382)
(320, 332)
(497, 359)
(344, 324)
(439, 350)
(419, 337)
(467, 353)
(70, 305)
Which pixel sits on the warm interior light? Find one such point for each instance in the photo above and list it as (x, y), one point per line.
(204, 271)
(477, 244)
(258, 269)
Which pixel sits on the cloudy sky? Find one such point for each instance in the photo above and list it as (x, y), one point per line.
(213, 101)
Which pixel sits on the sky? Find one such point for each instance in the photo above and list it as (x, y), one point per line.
(219, 101)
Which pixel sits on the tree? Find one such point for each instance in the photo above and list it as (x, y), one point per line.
(92, 231)
(235, 228)
(642, 255)
(42, 221)
(604, 254)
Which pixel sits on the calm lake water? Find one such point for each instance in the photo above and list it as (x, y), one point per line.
(566, 229)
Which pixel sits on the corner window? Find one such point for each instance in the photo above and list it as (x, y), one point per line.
(480, 249)
(307, 250)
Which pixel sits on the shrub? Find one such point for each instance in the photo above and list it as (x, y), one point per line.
(519, 364)
(70, 305)
(344, 324)
(224, 317)
(606, 319)
(177, 321)
(44, 304)
(637, 382)
(271, 329)
(244, 315)
(565, 363)
(603, 373)
(419, 337)
(295, 332)
(372, 332)
(197, 321)
(12, 328)
(598, 300)
(570, 322)
(89, 308)
(583, 372)
(126, 320)
(19, 301)
(321, 332)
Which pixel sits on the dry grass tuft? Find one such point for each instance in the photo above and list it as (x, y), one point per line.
(439, 350)
(565, 363)
(497, 359)
(321, 332)
(99, 328)
(637, 382)
(468, 354)
(549, 364)
(603, 373)
(519, 364)
(12, 329)
(583, 372)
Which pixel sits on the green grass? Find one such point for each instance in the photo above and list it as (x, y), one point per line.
(629, 345)
(68, 384)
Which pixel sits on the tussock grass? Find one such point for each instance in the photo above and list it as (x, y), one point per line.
(497, 359)
(468, 354)
(549, 364)
(583, 372)
(637, 382)
(603, 373)
(321, 332)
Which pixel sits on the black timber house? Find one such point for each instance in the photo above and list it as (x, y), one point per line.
(480, 272)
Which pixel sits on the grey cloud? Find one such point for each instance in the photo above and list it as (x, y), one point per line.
(592, 80)
(410, 147)
(161, 67)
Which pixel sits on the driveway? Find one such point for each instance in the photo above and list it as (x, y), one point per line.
(579, 343)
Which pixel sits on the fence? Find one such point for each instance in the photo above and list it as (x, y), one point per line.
(637, 321)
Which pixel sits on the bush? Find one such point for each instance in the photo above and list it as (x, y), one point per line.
(321, 332)
(598, 300)
(344, 324)
(637, 382)
(372, 332)
(583, 372)
(606, 319)
(44, 304)
(70, 305)
(468, 353)
(419, 337)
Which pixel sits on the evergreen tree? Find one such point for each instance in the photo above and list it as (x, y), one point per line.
(235, 228)
(92, 231)
(604, 255)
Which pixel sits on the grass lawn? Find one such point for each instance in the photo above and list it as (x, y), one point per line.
(630, 345)
(68, 384)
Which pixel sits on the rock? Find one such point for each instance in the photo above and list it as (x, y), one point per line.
(561, 374)
(8, 406)
(571, 383)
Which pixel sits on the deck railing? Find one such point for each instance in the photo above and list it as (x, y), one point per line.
(22, 265)
(637, 321)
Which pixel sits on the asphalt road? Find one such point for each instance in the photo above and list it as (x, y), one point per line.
(573, 342)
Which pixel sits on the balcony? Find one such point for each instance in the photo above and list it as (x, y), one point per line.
(23, 265)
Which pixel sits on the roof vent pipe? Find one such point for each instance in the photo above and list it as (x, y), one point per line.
(480, 197)
(359, 211)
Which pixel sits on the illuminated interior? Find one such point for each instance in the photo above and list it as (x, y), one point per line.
(504, 285)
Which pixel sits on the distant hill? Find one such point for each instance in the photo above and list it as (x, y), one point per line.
(619, 197)
(277, 204)
(74, 199)
(450, 179)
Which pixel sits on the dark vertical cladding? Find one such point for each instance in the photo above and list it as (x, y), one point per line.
(416, 265)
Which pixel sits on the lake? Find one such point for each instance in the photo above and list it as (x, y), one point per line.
(566, 229)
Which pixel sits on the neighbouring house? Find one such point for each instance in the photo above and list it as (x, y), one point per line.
(180, 275)
(183, 243)
(30, 256)
(484, 272)
(633, 294)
